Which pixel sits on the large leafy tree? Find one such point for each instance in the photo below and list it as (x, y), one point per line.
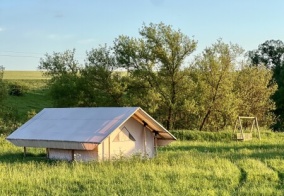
(214, 77)
(58, 64)
(157, 58)
(102, 86)
(253, 89)
(271, 55)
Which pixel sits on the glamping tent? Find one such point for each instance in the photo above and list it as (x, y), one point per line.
(85, 134)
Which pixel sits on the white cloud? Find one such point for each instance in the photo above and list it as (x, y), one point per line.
(86, 41)
(1, 29)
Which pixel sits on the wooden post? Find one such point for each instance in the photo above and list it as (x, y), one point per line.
(156, 143)
(47, 153)
(241, 128)
(72, 155)
(235, 126)
(257, 128)
(103, 151)
(108, 147)
(144, 138)
(25, 151)
(253, 122)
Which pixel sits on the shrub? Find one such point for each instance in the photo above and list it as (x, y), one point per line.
(17, 90)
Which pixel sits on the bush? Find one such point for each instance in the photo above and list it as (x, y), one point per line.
(16, 90)
(3, 91)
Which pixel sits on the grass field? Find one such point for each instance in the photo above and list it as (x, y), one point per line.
(35, 97)
(183, 168)
(35, 93)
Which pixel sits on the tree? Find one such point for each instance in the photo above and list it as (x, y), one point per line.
(214, 78)
(157, 58)
(59, 64)
(253, 89)
(270, 54)
(102, 86)
(65, 79)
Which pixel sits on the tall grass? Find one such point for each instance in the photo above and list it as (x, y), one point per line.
(183, 168)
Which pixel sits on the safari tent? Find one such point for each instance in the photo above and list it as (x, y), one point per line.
(85, 134)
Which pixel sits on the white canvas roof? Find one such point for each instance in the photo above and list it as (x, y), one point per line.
(79, 128)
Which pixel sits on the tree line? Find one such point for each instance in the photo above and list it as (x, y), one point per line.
(157, 72)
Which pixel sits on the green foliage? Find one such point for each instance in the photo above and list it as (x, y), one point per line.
(65, 91)
(270, 54)
(15, 89)
(214, 77)
(253, 89)
(101, 85)
(59, 64)
(157, 59)
(64, 83)
(208, 94)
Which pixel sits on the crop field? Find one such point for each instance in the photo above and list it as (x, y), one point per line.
(183, 168)
(23, 75)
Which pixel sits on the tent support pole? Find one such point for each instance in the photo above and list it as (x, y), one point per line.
(47, 153)
(25, 151)
(103, 151)
(156, 143)
(72, 151)
(144, 137)
(108, 147)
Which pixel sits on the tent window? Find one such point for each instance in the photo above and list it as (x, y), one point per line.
(123, 135)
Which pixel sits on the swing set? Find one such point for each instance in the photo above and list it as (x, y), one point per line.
(241, 134)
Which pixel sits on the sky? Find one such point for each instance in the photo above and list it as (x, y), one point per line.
(31, 28)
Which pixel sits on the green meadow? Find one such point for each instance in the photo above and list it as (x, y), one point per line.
(35, 92)
(182, 168)
(199, 163)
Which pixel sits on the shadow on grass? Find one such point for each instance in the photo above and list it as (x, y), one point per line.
(19, 157)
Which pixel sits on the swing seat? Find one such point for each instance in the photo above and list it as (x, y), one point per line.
(244, 136)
